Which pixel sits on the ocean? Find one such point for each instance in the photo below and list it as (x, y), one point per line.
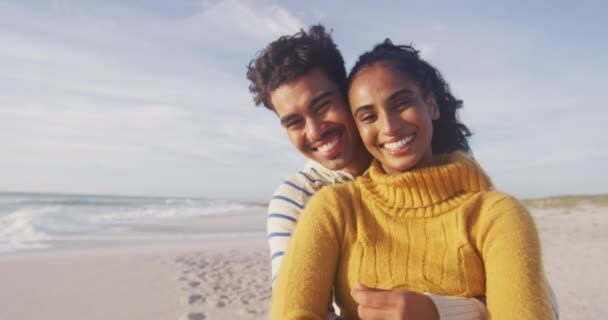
(35, 222)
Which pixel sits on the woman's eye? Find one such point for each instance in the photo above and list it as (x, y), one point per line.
(367, 117)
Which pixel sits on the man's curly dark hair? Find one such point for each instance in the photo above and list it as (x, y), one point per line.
(449, 134)
(290, 57)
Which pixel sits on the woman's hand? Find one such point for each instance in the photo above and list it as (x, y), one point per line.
(379, 304)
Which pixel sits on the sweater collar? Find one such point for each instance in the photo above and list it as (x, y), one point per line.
(429, 190)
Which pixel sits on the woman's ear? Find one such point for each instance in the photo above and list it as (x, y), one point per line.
(433, 107)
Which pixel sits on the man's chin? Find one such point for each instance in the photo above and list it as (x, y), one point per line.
(332, 164)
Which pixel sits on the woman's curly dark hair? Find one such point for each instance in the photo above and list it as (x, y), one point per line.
(449, 134)
(290, 57)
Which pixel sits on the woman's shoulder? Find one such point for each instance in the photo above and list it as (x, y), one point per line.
(500, 206)
(340, 192)
(338, 198)
(330, 205)
(494, 198)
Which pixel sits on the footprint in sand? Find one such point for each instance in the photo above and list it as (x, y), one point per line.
(224, 281)
(196, 316)
(196, 298)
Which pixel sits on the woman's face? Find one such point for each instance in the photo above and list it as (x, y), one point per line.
(394, 117)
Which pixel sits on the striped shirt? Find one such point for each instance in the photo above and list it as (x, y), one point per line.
(289, 201)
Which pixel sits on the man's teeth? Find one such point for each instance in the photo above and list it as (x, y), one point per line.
(329, 145)
(398, 144)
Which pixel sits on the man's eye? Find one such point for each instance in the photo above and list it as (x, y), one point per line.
(323, 107)
(293, 124)
(400, 105)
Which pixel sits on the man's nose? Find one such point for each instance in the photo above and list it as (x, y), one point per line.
(315, 129)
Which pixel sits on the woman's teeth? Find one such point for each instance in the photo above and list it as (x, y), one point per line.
(398, 144)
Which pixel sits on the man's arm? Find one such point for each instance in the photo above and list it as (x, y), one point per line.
(304, 283)
(402, 304)
(284, 210)
(554, 303)
(458, 308)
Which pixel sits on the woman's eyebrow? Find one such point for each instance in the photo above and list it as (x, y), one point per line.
(361, 109)
(395, 95)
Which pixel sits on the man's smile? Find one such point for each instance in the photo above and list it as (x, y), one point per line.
(330, 145)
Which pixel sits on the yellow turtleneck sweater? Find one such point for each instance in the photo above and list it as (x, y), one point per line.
(437, 229)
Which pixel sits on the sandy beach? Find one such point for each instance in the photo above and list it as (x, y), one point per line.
(227, 279)
(230, 278)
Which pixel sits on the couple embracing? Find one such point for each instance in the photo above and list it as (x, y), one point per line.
(395, 219)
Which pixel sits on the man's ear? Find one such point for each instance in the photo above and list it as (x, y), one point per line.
(434, 108)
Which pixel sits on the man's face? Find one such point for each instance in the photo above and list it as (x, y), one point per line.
(317, 119)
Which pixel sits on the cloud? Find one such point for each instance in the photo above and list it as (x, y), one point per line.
(78, 144)
(77, 127)
(133, 98)
(172, 61)
(78, 132)
(128, 110)
(244, 19)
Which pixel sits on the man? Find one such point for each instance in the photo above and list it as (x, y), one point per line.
(303, 80)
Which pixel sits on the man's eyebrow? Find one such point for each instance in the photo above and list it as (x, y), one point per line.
(361, 109)
(286, 118)
(319, 97)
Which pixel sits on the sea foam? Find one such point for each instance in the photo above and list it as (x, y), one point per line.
(34, 221)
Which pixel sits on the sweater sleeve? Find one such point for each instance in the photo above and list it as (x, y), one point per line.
(458, 308)
(510, 246)
(303, 287)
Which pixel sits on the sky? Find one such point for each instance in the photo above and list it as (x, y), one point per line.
(150, 97)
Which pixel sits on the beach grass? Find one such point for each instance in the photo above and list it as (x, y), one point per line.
(568, 201)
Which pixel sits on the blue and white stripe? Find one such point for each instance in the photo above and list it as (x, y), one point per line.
(288, 202)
